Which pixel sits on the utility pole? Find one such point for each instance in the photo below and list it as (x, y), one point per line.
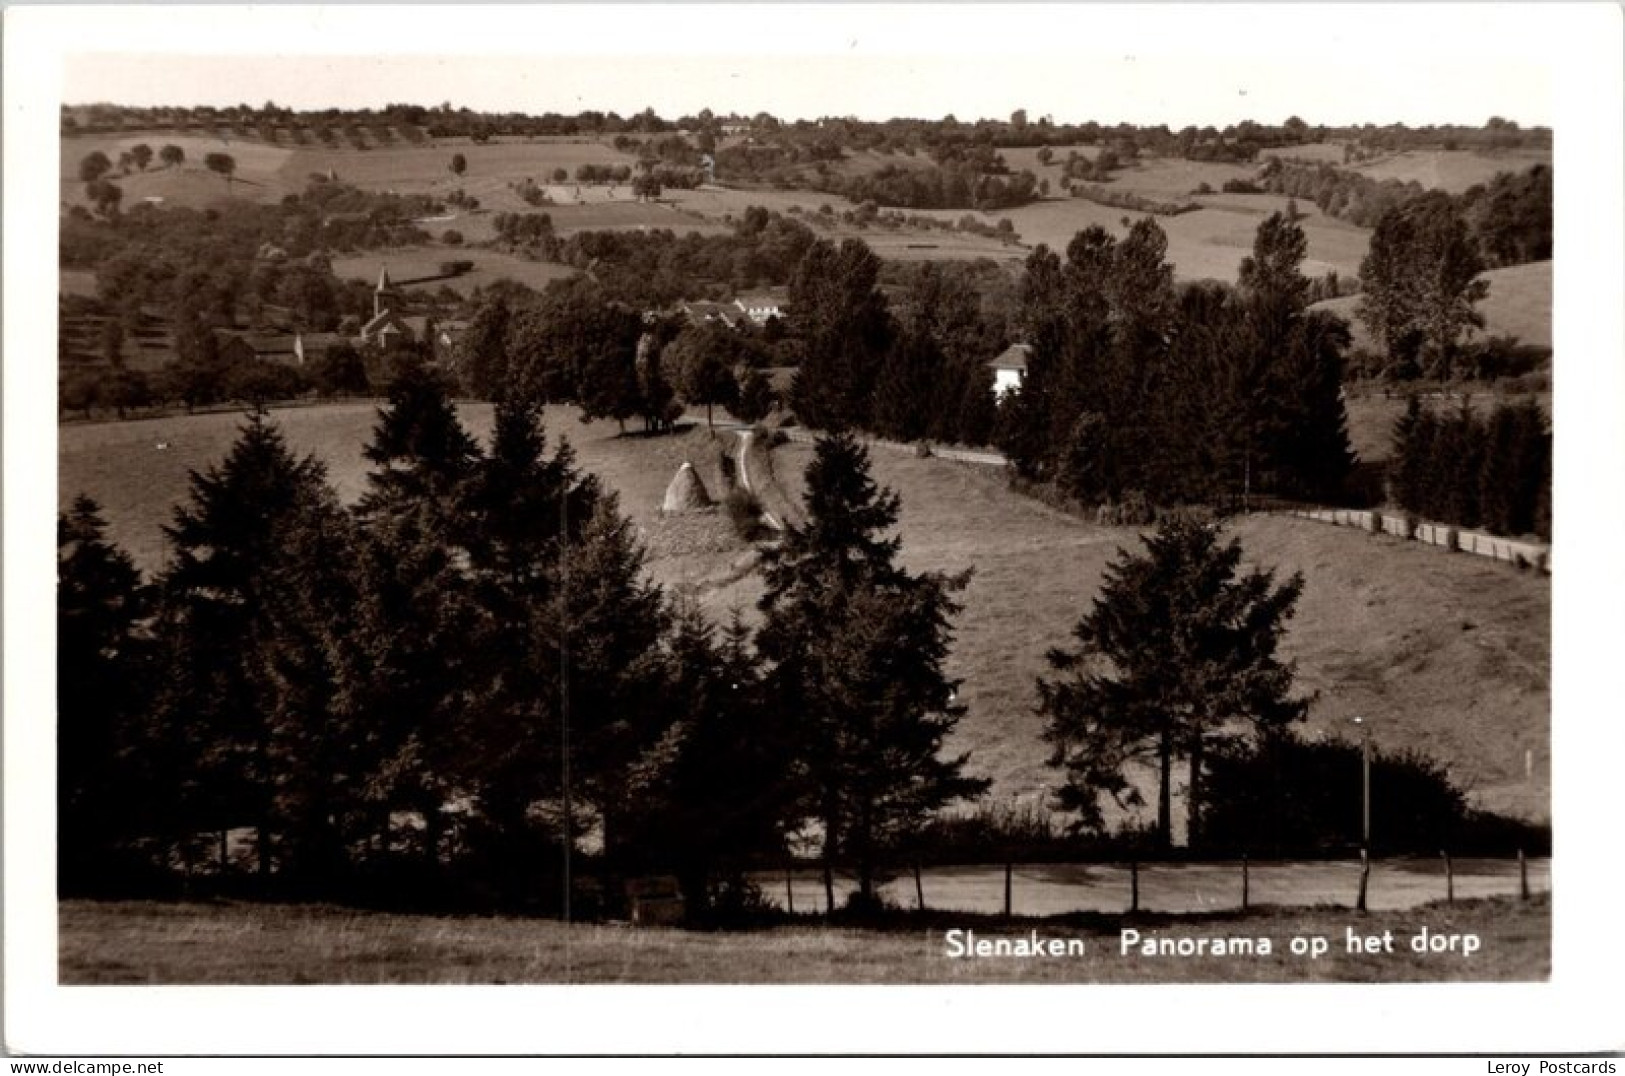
(564, 687)
(1365, 810)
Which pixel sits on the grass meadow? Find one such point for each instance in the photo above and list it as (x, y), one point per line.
(1448, 654)
(408, 264)
(1450, 170)
(1519, 304)
(266, 172)
(255, 944)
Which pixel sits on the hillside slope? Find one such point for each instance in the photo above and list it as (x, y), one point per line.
(1447, 654)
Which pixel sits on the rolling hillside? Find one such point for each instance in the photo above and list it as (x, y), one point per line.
(1447, 654)
(1519, 304)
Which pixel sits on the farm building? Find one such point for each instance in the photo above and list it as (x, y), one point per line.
(1009, 368)
(704, 311)
(292, 349)
(756, 309)
(390, 329)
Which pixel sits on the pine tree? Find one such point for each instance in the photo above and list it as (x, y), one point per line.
(1174, 655)
(1412, 454)
(856, 647)
(256, 584)
(417, 615)
(103, 682)
(615, 619)
(509, 723)
(714, 793)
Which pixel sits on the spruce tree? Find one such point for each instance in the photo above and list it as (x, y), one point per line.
(1177, 654)
(417, 616)
(714, 793)
(103, 682)
(255, 589)
(856, 647)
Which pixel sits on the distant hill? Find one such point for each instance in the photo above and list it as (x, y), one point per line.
(1519, 304)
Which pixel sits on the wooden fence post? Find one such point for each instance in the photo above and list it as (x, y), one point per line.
(1523, 876)
(1449, 879)
(1134, 885)
(1246, 881)
(919, 889)
(1007, 870)
(1365, 875)
(789, 890)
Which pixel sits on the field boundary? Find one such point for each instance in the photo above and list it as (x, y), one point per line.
(1372, 520)
(1174, 887)
(1455, 539)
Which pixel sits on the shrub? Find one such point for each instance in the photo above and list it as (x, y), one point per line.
(1290, 796)
(451, 237)
(745, 512)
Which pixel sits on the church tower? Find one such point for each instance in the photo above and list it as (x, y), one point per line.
(383, 297)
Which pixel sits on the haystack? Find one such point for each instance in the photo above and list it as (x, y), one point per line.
(686, 492)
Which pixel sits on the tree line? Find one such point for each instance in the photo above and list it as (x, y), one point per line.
(386, 695)
(1134, 388)
(1509, 218)
(427, 698)
(1491, 471)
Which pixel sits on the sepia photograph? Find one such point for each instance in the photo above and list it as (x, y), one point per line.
(919, 496)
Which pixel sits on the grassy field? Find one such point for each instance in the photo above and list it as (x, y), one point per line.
(211, 944)
(1448, 654)
(1440, 654)
(407, 264)
(1519, 304)
(1447, 170)
(1372, 414)
(1206, 244)
(1451, 170)
(265, 172)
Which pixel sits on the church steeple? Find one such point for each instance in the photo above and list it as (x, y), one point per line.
(383, 296)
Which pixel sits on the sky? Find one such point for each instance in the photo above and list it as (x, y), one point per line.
(1173, 64)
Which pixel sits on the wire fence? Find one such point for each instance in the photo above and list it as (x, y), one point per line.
(1048, 889)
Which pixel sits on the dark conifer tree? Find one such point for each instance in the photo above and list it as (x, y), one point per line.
(856, 648)
(103, 684)
(1177, 651)
(755, 396)
(418, 614)
(715, 792)
(254, 587)
(615, 619)
(909, 376)
(838, 311)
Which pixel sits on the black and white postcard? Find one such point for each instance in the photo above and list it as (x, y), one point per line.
(1030, 508)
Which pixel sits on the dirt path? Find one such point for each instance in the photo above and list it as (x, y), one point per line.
(746, 437)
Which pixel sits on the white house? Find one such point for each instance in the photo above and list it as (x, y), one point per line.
(1009, 368)
(758, 308)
